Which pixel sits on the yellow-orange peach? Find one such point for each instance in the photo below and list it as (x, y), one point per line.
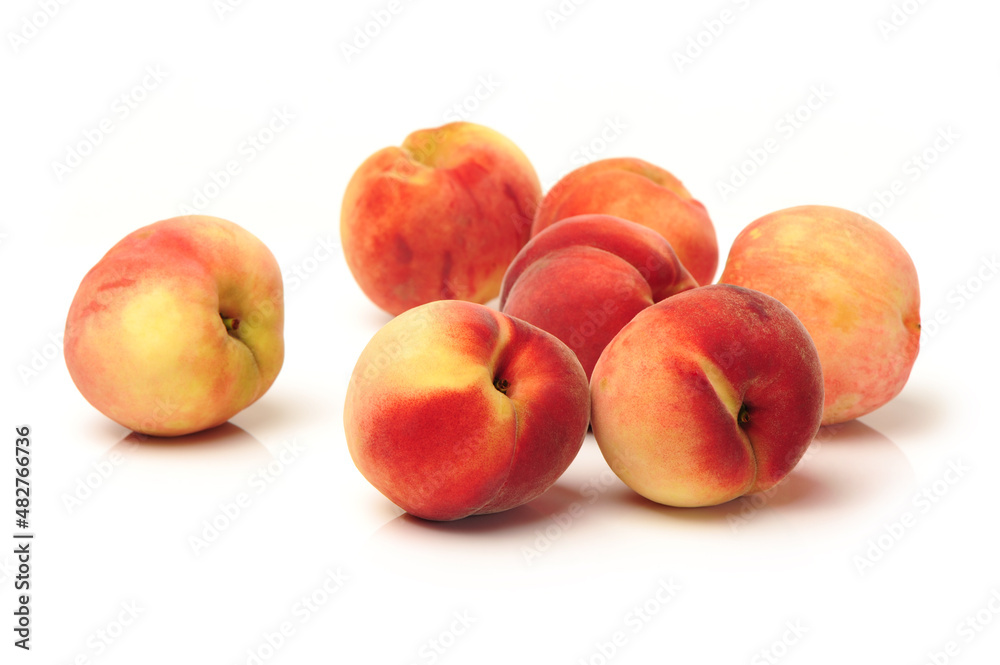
(178, 327)
(853, 286)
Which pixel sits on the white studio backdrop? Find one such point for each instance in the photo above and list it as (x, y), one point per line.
(261, 542)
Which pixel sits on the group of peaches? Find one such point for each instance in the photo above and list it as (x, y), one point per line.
(697, 393)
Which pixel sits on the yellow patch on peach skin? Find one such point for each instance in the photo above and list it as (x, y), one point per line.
(419, 350)
(650, 452)
(843, 404)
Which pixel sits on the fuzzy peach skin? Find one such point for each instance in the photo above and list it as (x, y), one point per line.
(440, 217)
(585, 277)
(455, 409)
(639, 192)
(708, 395)
(853, 286)
(179, 327)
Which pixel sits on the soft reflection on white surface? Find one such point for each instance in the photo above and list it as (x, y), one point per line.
(212, 457)
(590, 521)
(914, 412)
(171, 481)
(222, 442)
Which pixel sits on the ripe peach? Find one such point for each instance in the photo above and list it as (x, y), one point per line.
(440, 217)
(853, 286)
(455, 409)
(639, 192)
(708, 395)
(585, 277)
(179, 327)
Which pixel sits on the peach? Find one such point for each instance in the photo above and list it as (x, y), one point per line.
(639, 192)
(585, 277)
(178, 327)
(455, 409)
(708, 395)
(854, 288)
(439, 218)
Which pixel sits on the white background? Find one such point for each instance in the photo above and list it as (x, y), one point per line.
(536, 587)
